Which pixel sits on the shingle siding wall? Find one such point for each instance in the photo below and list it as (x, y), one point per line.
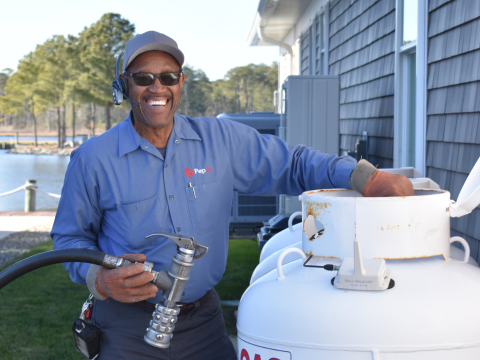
(362, 47)
(453, 103)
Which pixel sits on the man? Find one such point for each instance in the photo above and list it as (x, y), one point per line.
(146, 175)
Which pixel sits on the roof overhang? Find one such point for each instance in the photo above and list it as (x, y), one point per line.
(277, 18)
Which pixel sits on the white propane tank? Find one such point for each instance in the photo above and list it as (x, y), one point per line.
(270, 263)
(431, 312)
(284, 238)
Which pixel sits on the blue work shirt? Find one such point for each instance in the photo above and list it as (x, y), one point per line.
(118, 189)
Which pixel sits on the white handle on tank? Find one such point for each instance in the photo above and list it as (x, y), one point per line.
(465, 246)
(290, 219)
(280, 260)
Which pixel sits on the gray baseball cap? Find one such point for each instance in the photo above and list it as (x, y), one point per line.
(151, 40)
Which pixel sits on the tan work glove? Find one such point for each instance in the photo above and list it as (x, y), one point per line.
(382, 184)
(126, 284)
(370, 182)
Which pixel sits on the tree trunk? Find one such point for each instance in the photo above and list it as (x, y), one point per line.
(245, 86)
(35, 129)
(237, 92)
(34, 124)
(73, 122)
(108, 124)
(59, 128)
(187, 104)
(64, 132)
(49, 121)
(92, 115)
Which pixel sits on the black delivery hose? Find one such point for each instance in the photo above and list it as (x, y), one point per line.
(49, 258)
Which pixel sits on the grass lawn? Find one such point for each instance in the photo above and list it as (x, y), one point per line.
(38, 309)
(243, 256)
(37, 312)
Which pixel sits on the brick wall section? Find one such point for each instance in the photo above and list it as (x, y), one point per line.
(362, 52)
(453, 103)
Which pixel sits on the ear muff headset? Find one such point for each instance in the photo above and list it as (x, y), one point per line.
(120, 86)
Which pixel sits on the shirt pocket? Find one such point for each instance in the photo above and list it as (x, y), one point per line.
(139, 220)
(202, 205)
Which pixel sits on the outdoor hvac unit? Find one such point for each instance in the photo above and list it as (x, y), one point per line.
(310, 116)
(247, 208)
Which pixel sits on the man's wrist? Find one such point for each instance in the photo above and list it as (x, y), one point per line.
(91, 276)
(360, 175)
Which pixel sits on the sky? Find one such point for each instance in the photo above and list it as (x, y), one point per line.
(211, 33)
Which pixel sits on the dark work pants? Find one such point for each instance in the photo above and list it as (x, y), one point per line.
(200, 334)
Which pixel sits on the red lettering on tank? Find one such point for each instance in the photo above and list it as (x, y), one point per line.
(244, 355)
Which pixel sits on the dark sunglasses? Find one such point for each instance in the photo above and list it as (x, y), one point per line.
(147, 79)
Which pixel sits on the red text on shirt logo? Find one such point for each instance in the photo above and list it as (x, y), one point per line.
(190, 172)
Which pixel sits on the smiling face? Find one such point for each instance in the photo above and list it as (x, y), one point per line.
(158, 103)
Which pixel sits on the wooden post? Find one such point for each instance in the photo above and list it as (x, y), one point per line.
(30, 197)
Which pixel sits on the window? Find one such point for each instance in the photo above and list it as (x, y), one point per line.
(314, 48)
(305, 46)
(409, 99)
(410, 85)
(320, 44)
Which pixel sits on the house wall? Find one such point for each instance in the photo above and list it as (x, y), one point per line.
(453, 105)
(293, 39)
(362, 52)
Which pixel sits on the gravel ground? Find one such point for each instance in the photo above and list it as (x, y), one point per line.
(18, 243)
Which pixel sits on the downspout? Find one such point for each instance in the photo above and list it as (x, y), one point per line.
(287, 47)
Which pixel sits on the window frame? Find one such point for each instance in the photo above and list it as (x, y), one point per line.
(307, 59)
(400, 114)
(310, 34)
(319, 32)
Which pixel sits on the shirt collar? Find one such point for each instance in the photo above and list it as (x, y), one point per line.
(130, 140)
(183, 129)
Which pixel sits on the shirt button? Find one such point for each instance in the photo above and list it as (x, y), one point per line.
(177, 142)
(179, 228)
(171, 197)
(146, 146)
(166, 165)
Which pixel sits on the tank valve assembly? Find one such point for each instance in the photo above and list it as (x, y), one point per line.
(165, 314)
(363, 274)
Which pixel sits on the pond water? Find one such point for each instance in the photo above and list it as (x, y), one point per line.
(11, 138)
(15, 169)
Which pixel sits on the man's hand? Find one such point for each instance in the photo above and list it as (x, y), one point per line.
(370, 182)
(126, 284)
(384, 184)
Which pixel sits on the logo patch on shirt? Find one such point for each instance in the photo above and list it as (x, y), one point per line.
(189, 172)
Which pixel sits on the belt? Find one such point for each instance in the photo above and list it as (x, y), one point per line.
(185, 308)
